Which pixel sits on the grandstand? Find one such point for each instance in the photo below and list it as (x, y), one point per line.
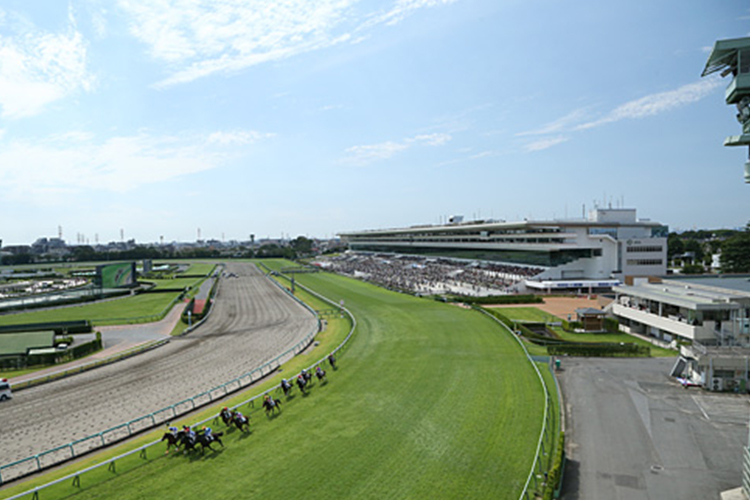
(586, 255)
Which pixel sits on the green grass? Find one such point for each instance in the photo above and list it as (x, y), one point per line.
(118, 310)
(141, 308)
(533, 314)
(430, 401)
(203, 268)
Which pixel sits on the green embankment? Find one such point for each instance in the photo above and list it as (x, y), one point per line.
(533, 314)
(430, 401)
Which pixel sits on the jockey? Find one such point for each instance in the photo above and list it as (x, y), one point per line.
(189, 431)
(318, 369)
(173, 431)
(207, 433)
(331, 359)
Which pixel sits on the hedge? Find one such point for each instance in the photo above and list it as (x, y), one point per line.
(553, 485)
(608, 349)
(502, 299)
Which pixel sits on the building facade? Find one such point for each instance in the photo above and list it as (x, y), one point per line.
(609, 246)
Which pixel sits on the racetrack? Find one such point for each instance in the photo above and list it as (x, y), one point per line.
(252, 322)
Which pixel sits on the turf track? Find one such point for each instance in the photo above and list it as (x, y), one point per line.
(430, 401)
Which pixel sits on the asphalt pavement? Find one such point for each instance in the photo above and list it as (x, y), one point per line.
(634, 433)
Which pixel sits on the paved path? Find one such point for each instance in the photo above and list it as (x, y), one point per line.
(253, 321)
(634, 433)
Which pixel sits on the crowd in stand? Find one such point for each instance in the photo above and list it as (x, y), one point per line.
(428, 276)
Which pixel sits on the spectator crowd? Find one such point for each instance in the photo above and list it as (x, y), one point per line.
(429, 276)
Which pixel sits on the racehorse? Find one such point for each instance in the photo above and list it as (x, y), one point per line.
(226, 416)
(320, 373)
(187, 441)
(206, 441)
(286, 386)
(173, 439)
(240, 421)
(270, 404)
(307, 376)
(301, 383)
(332, 361)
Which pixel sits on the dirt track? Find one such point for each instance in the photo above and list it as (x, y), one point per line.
(253, 321)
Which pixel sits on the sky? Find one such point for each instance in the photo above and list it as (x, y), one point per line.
(281, 118)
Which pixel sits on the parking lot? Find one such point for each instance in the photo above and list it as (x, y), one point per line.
(634, 433)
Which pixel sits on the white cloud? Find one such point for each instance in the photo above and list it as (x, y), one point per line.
(572, 118)
(362, 155)
(430, 139)
(403, 8)
(196, 38)
(238, 137)
(74, 162)
(39, 68)
(545, 143)
(365, 154)
(657, 103)
(649, 105)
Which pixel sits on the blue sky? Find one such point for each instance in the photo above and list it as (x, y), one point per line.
(313, 117)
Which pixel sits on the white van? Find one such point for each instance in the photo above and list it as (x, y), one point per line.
(5, 390)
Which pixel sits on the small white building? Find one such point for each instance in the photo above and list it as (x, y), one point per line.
(709, 317)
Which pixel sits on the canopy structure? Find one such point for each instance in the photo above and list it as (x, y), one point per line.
(733, 57)
(724, 55)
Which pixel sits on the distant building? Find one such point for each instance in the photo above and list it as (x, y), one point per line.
(584, 254)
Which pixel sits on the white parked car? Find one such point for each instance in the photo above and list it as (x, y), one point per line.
(5, 392)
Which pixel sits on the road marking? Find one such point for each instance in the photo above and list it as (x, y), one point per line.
(700, 408)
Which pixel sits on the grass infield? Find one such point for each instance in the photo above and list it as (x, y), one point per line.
(430, 401)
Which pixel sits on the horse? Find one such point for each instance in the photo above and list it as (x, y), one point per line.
(188, 441)
(286, 386)
(206, 441)
(320, 373)
(173, 439)
(332, 361)
(301, 383)
(270, 405)
(226, 416)
(240, 421)
(307, 376)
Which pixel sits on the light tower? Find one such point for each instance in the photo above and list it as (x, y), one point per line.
(733, 57)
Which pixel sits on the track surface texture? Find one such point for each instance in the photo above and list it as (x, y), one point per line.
(252, 322)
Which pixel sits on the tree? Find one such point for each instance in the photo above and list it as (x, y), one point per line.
(735, 252)
(302, 245)
(675, 246)
(696, 248)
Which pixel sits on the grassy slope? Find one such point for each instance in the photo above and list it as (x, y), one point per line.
(431, 401)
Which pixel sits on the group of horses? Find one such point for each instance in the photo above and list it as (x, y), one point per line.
(188, 441)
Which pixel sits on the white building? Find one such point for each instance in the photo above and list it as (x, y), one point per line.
(597, 252)
(710, 310)
(708, 316)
